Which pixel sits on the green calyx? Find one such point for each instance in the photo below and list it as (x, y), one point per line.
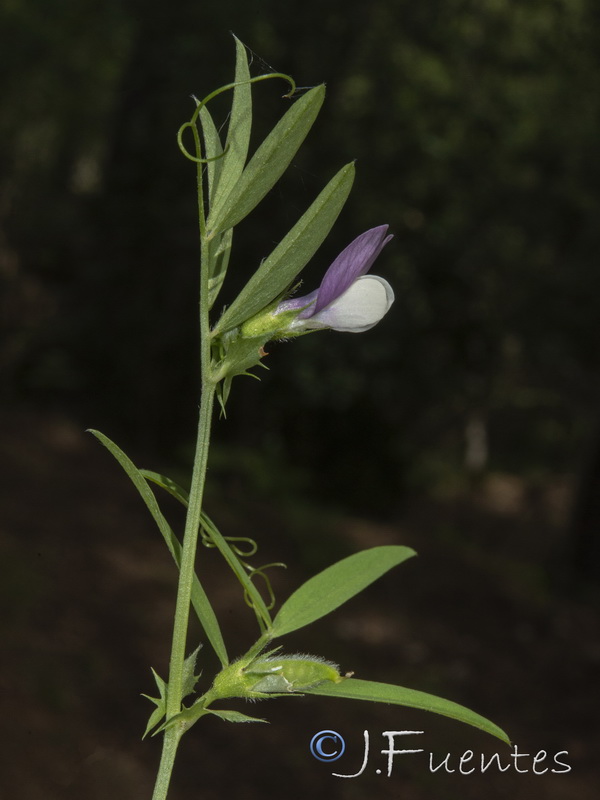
(238, 350)
(237, 354)
(267, 323)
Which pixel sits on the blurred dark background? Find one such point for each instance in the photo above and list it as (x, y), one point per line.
(466, 424)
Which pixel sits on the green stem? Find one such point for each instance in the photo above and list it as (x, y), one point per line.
(167, 760)
(173, 734)
(188, 557)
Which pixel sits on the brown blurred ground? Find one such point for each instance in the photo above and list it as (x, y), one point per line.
(481, 617)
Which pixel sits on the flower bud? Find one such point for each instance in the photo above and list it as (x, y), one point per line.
(266, 676)
(290, 674)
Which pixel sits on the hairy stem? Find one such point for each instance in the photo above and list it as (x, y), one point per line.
(173, 734)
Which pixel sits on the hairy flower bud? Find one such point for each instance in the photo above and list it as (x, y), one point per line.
(290, 673)
(271, 675)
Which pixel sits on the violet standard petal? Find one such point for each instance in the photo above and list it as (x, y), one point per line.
(355, 260)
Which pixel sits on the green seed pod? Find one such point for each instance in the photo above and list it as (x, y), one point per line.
(278, 675)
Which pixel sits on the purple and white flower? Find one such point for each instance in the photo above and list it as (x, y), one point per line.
(347, 299)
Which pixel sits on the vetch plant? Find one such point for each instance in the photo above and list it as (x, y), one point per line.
(349, 299)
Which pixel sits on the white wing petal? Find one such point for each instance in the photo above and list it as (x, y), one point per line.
(359, 308)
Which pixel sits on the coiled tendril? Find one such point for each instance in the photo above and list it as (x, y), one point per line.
(197, 159)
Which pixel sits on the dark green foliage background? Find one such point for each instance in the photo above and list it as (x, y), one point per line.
(475, 128)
